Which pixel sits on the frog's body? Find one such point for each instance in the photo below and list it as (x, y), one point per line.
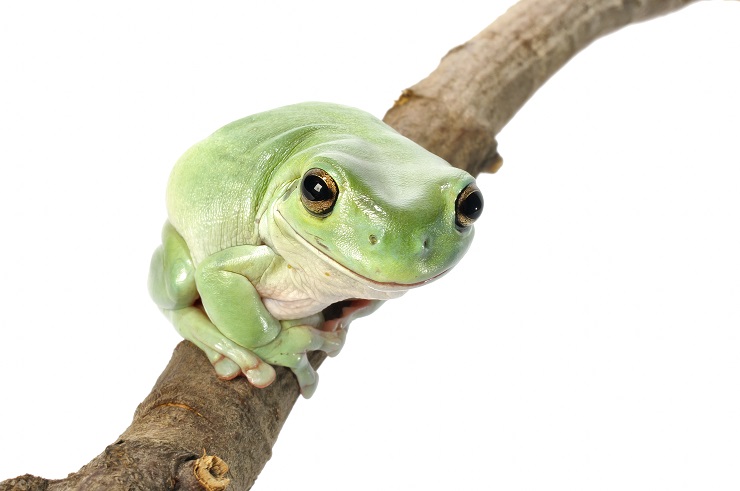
(279, 215)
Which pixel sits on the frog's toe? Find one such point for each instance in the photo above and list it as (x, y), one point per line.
(308, 389)
(226, 369)
(307, 378)
(334, 342)
(258, 373)
(261, 376)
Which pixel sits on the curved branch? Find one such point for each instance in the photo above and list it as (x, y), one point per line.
(196, 432)
(184, 431)
(478, 87)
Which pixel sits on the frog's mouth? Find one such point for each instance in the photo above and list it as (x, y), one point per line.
(386, 286)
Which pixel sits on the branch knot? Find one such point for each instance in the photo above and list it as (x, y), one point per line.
(210, 471)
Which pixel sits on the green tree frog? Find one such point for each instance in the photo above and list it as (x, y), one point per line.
(286, 225)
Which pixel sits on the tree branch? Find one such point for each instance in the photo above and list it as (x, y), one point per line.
(478, 87)
(193, 427)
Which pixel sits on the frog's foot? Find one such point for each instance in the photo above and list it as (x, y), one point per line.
(290, 350)
(228, 358)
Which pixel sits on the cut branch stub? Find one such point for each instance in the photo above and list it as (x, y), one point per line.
(210, 472)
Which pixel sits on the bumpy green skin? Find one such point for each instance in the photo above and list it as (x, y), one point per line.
(245, 270)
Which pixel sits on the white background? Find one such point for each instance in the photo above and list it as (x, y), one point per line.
(589, 341)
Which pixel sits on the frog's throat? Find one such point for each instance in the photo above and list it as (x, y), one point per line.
(370, 283)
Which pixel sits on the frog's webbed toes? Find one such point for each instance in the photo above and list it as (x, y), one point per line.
(237, 359)
(290, 350)
(260, 376)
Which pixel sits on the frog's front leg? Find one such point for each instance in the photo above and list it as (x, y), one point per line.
(225, 282)
(172, 285)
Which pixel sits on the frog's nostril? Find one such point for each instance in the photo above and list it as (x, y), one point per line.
(373, 239)
(425, 251)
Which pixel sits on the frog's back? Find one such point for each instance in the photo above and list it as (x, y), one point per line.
(216, 188)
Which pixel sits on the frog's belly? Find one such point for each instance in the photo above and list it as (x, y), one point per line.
(293, 309)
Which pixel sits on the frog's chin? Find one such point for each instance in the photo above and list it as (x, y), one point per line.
(371, 283)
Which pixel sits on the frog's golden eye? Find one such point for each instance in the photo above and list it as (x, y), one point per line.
(318, 192)
(468, 206)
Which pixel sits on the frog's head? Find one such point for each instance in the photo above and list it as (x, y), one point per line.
(386, 210)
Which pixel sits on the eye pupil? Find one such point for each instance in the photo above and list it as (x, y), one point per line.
(472, 207)
(469, 206)
(315, 189)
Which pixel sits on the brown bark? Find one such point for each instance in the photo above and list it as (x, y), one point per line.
(196, 432)
(478, 87)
